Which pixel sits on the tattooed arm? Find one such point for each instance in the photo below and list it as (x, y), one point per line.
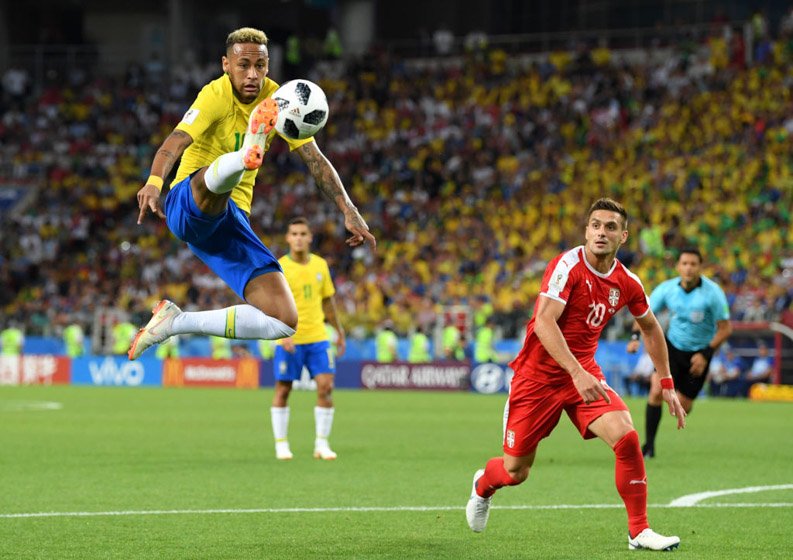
(164, 160)
(329, 183)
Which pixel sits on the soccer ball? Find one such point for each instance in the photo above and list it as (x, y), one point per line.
(302, 109)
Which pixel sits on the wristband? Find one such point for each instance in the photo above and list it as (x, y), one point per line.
(635, 336)
(707, 352)
(667, 383)
(154, 180)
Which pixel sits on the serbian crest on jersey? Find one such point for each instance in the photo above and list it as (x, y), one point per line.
(614, 297)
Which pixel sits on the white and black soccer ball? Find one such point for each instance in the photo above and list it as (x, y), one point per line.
(302, 109)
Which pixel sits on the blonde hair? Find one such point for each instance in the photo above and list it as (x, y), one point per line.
(246, 35)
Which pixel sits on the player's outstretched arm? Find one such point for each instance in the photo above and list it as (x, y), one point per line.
(329, 182)
(164, 160)
(655, 344)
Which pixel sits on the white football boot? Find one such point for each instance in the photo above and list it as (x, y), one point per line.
(650, 540)
(156, 330)
(282, 451)
(478, 508)
(323, 451)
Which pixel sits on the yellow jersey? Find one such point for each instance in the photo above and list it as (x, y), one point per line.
(216, 121)
(310, 284)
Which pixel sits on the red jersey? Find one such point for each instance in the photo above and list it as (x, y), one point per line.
(591, 299)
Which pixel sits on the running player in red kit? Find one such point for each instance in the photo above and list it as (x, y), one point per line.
(556, 371)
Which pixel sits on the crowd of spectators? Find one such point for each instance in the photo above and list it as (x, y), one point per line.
(473, 172)
(733, 376)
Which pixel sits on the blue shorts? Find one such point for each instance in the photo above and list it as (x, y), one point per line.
(226, 243)
(316, 357)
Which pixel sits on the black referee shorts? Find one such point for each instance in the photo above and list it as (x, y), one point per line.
(680, 364)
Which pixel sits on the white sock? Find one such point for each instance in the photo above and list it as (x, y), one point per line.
(323, 417)
(238, 321)
(280, 418)
(225, 173)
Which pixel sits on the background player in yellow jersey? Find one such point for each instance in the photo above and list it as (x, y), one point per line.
(221, 141)
(309, 279)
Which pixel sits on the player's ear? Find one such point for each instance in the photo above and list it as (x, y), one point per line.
(225, 64)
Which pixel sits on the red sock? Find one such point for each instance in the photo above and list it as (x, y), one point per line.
(495, 477)
(631, 480)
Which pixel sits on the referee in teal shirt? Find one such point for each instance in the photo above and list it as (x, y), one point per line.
(699, 321)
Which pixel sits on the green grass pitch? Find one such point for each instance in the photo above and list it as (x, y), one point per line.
(190, 473)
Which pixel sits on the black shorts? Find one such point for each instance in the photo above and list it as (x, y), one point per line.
(680, 364)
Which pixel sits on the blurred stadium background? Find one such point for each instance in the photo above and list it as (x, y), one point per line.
(472, 136)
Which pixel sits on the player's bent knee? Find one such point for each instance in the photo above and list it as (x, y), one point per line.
(628, 445)
(324, 386)
(270, 294)
(286, 314)
(518, 468)
(518, 475)
(519, 465)
(290, 319)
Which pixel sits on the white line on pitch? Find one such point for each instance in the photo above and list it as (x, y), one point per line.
(21, 406)
(694, 499)
(351, 509)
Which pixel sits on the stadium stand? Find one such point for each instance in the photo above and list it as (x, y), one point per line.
(472, 170)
